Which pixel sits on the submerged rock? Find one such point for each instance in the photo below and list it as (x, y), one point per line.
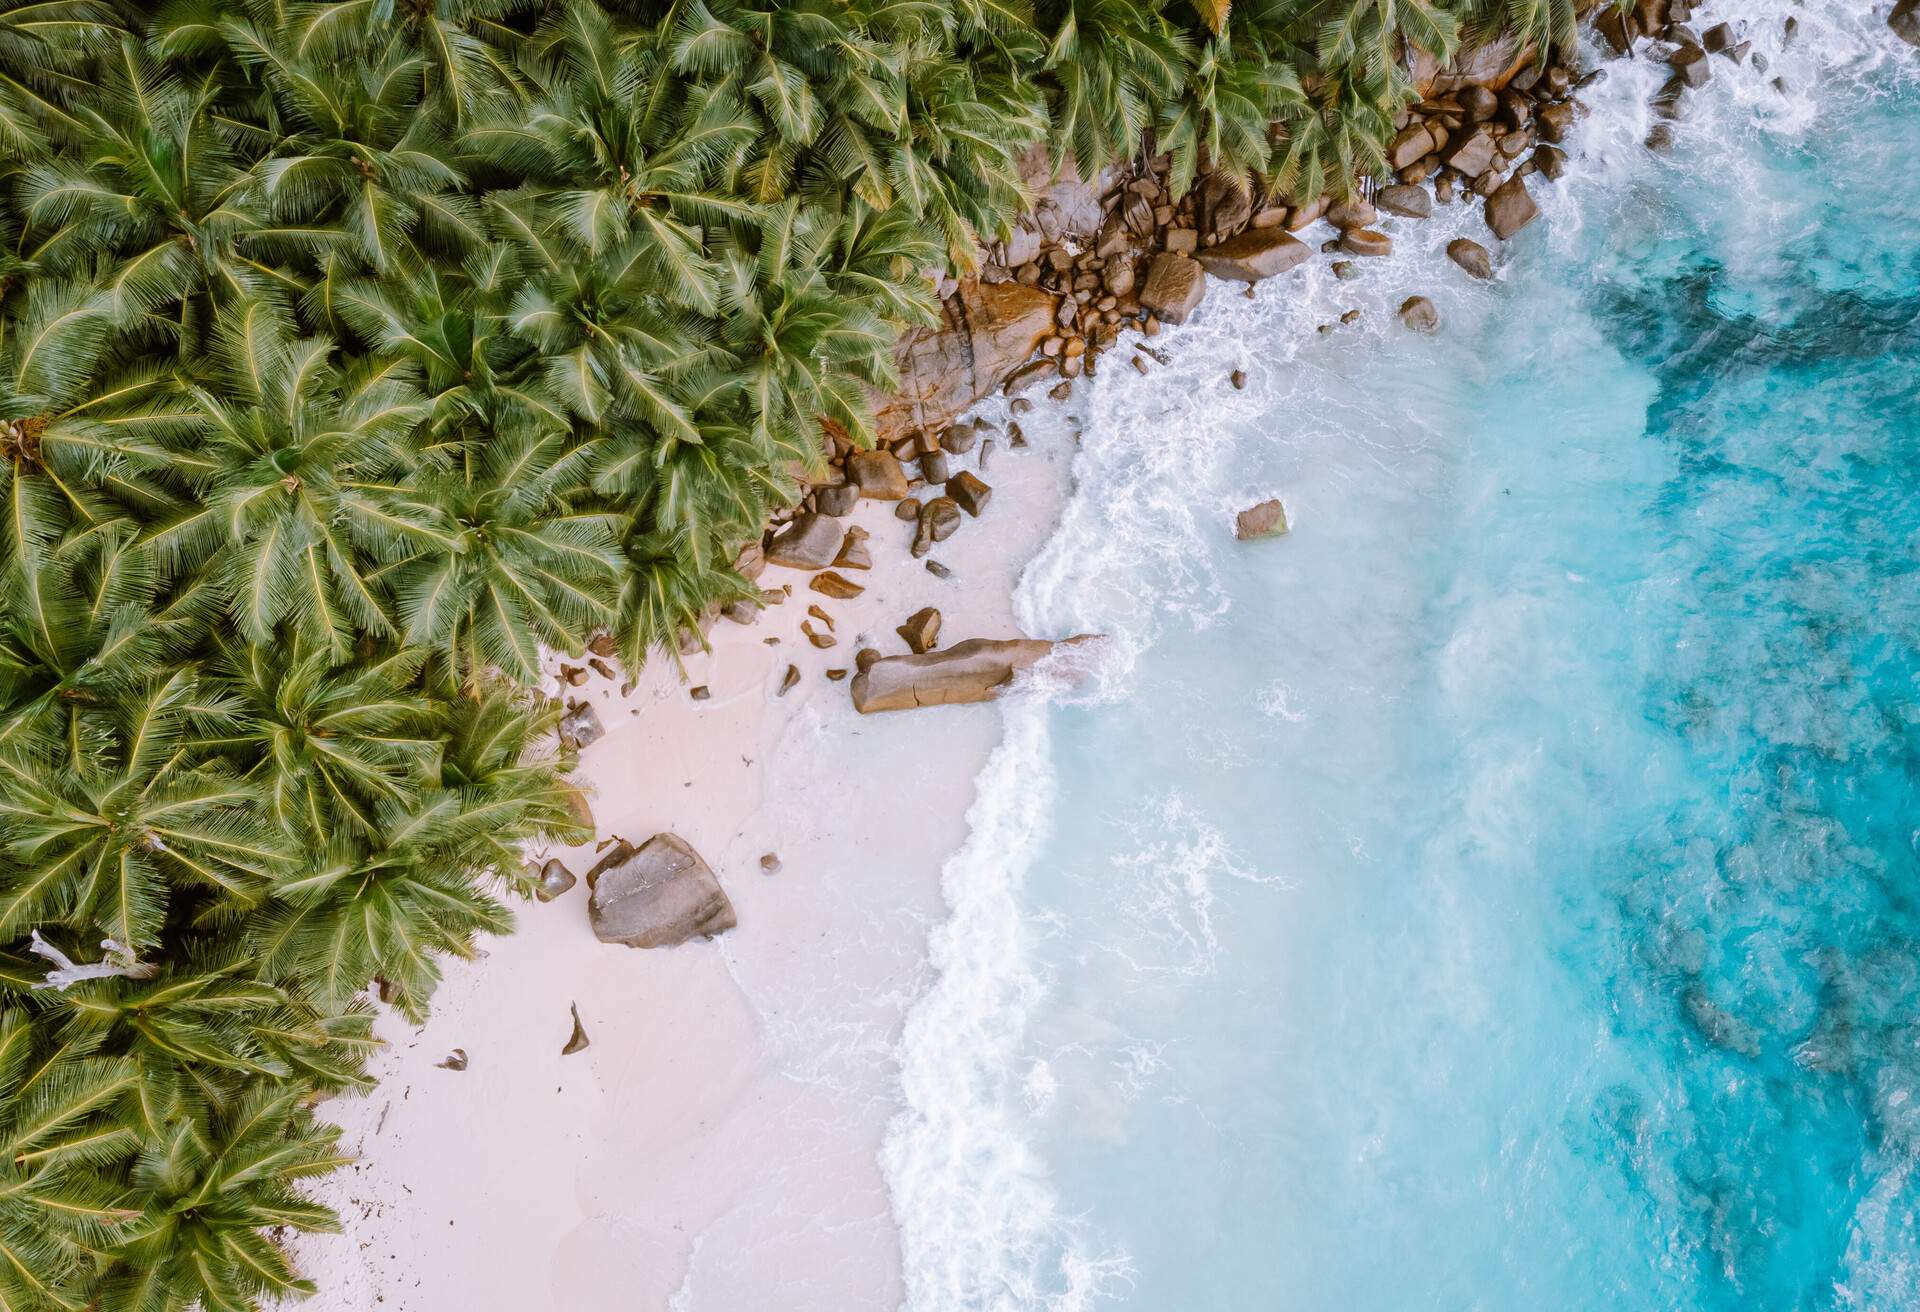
(1265, 520)
(1419, 314)
(972, 671)
(555, 879)
(1471, 256)
(657, 895)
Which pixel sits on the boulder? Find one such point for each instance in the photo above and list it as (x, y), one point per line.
(920, 632)
(1471, 256)
(1473, 153)
(939, 520)
(829, 584)
(854, 553)
(554, 880)
(985, 330)
(836, 499)
(879, 475)
(1689, 64)
(1301, 216)
(1174, 287)
(935, 468)
(1355, 213)
(1510, 208)
(1366, 241)
(970, 492)
(1418, 313)
(1555, 122)
(1266, 520)
(1255, 254)
(958, 439)
(973, 671)
(581, 727)
(1414, 141)
(1905, 21)
(810, 542)
(1407, 202)
(656, 896)
(1551, 161)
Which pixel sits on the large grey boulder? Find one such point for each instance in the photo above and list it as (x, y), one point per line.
(656, 896)
(810, 542)
(972, 671)
(1255, 254)
(1174, 287)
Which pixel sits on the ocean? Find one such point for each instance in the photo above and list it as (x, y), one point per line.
(1502, 892)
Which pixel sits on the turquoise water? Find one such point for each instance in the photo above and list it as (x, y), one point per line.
(1503, 892)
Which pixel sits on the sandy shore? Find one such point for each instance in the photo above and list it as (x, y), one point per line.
(714, 1149)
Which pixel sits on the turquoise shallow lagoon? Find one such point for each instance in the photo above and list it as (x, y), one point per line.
(1504, 891)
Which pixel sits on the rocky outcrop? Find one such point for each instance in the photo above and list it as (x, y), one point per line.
(976, 670)
(657, 895)
(1175, 285)
(1268, 519)
(1255, 254)
(987, 331)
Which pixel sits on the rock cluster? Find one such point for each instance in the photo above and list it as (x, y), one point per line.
(1666, 25)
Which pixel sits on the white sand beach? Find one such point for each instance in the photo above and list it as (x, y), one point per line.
(714, 1148)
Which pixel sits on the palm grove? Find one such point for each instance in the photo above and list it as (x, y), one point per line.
(352, 353)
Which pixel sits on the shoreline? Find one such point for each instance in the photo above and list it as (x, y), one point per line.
(727, 1096)
(619, 1176)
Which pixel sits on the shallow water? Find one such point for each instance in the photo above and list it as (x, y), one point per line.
(1502, 892)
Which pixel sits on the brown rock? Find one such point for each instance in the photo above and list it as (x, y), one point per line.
(836, 499)
(1407, 202)
(789, 679)
(1301, 216)
(1182, 241)
(577, 1040)
(1366, 241)
(1413, 141)
(1419, 314)
(933, 467)
(1355, 213)
(1473, 155)
(1255, 254)
(907, 509)
(972, 494)
(1556, 121)
(1175, 285)
(879, 474)
(1905, 21)
(958, 439)
(657, 895)
(1510, 208)
(939, 520)
(829, 584)
(854, 553)
(921, 632)
(1471, 256)
(1689, 63)
(1550, 160)
(555, 879)
(973, 671)
(1266, 520)
(985, 331)
(810, 542)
